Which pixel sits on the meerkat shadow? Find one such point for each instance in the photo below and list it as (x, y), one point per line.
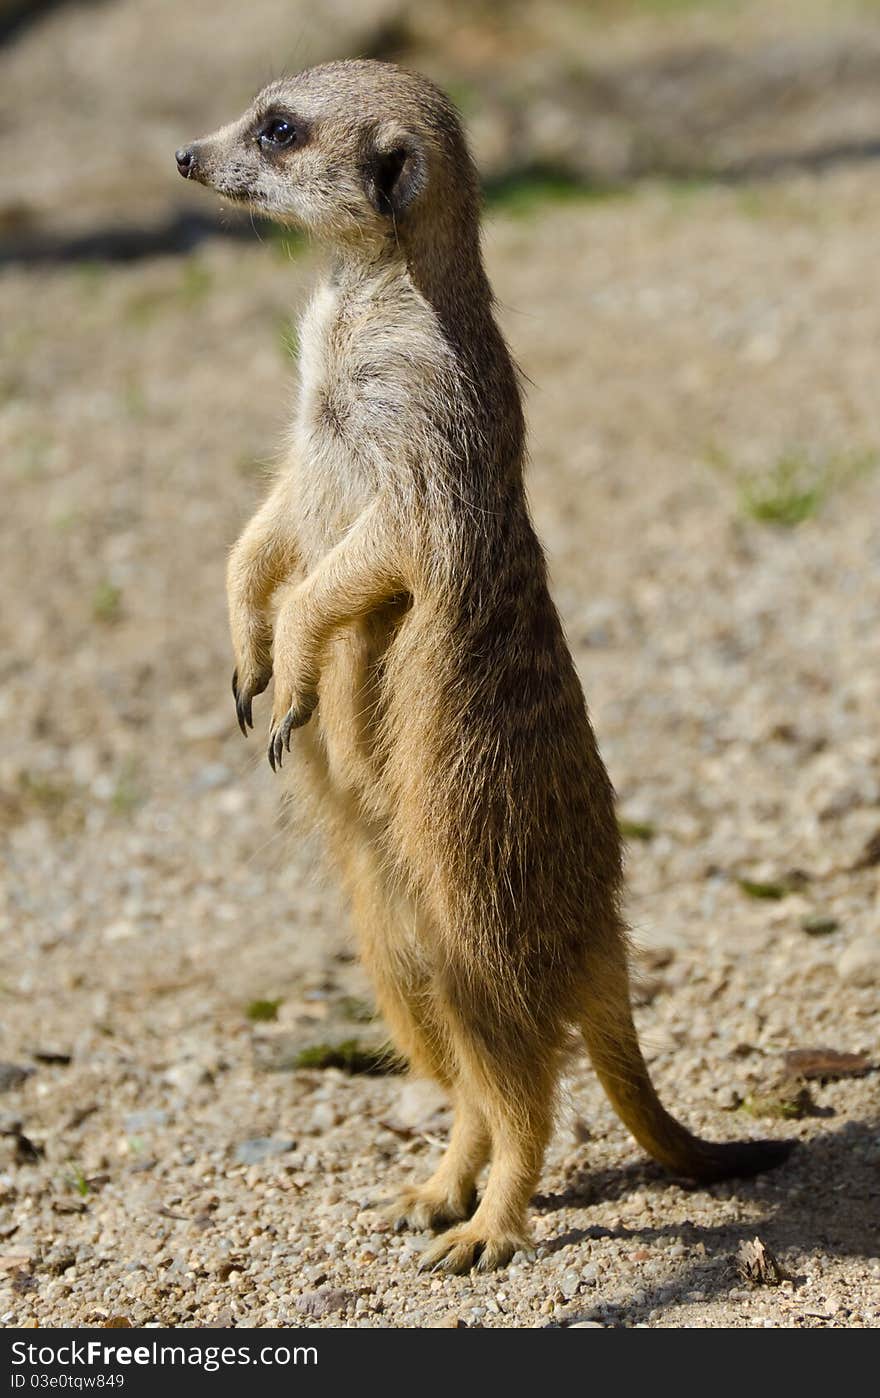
(820, 1205)
(585, 1187)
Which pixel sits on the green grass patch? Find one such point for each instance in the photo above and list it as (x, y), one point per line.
(352, 1057)
(127, 793)
(358, 1011)
(263, 1011)
(522, 193)
(795, 486)
(771, 892)
(636, 830)
(787, 1102)
(79, 1182)
(787, 495)
(106, 602)
(819, 925)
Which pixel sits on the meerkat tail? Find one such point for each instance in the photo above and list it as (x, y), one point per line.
(621, 1069)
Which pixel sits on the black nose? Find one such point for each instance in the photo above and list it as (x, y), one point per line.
(186, 161)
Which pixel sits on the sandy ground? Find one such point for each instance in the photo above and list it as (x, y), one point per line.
(163, 1161)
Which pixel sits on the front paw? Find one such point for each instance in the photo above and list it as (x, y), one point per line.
(291, 711)
(246, 685)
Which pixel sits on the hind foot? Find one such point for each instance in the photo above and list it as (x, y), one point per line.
(468, 1247)
(425, 1206)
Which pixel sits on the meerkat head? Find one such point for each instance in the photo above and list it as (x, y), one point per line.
(356, 152)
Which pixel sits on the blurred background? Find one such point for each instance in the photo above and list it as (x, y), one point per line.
(682, 224)
(572, 93)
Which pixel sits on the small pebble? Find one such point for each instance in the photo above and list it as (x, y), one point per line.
(859, 963)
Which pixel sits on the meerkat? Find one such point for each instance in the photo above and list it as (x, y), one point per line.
(393, 586)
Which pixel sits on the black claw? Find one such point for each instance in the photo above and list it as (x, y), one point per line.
(240, 708)
(244, 706)
(276, 749)
(244, 698)
(280, 738)
(244, 709)
(276, 744)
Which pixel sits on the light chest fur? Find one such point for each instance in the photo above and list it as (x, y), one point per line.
(370, 351)
(332, 486)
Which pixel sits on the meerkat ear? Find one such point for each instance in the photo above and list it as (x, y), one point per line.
(395, 174)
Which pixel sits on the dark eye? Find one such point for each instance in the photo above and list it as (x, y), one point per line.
(280, 133)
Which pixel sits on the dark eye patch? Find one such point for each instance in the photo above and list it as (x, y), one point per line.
(281, 131)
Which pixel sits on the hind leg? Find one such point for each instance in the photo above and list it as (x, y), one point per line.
(405, 998)
(450, 1193)
(517, 1103)
(392, 936)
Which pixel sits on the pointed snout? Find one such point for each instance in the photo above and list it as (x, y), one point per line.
(187, 161)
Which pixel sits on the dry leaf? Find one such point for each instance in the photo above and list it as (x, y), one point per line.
(825, 1063)
(757, 1265)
